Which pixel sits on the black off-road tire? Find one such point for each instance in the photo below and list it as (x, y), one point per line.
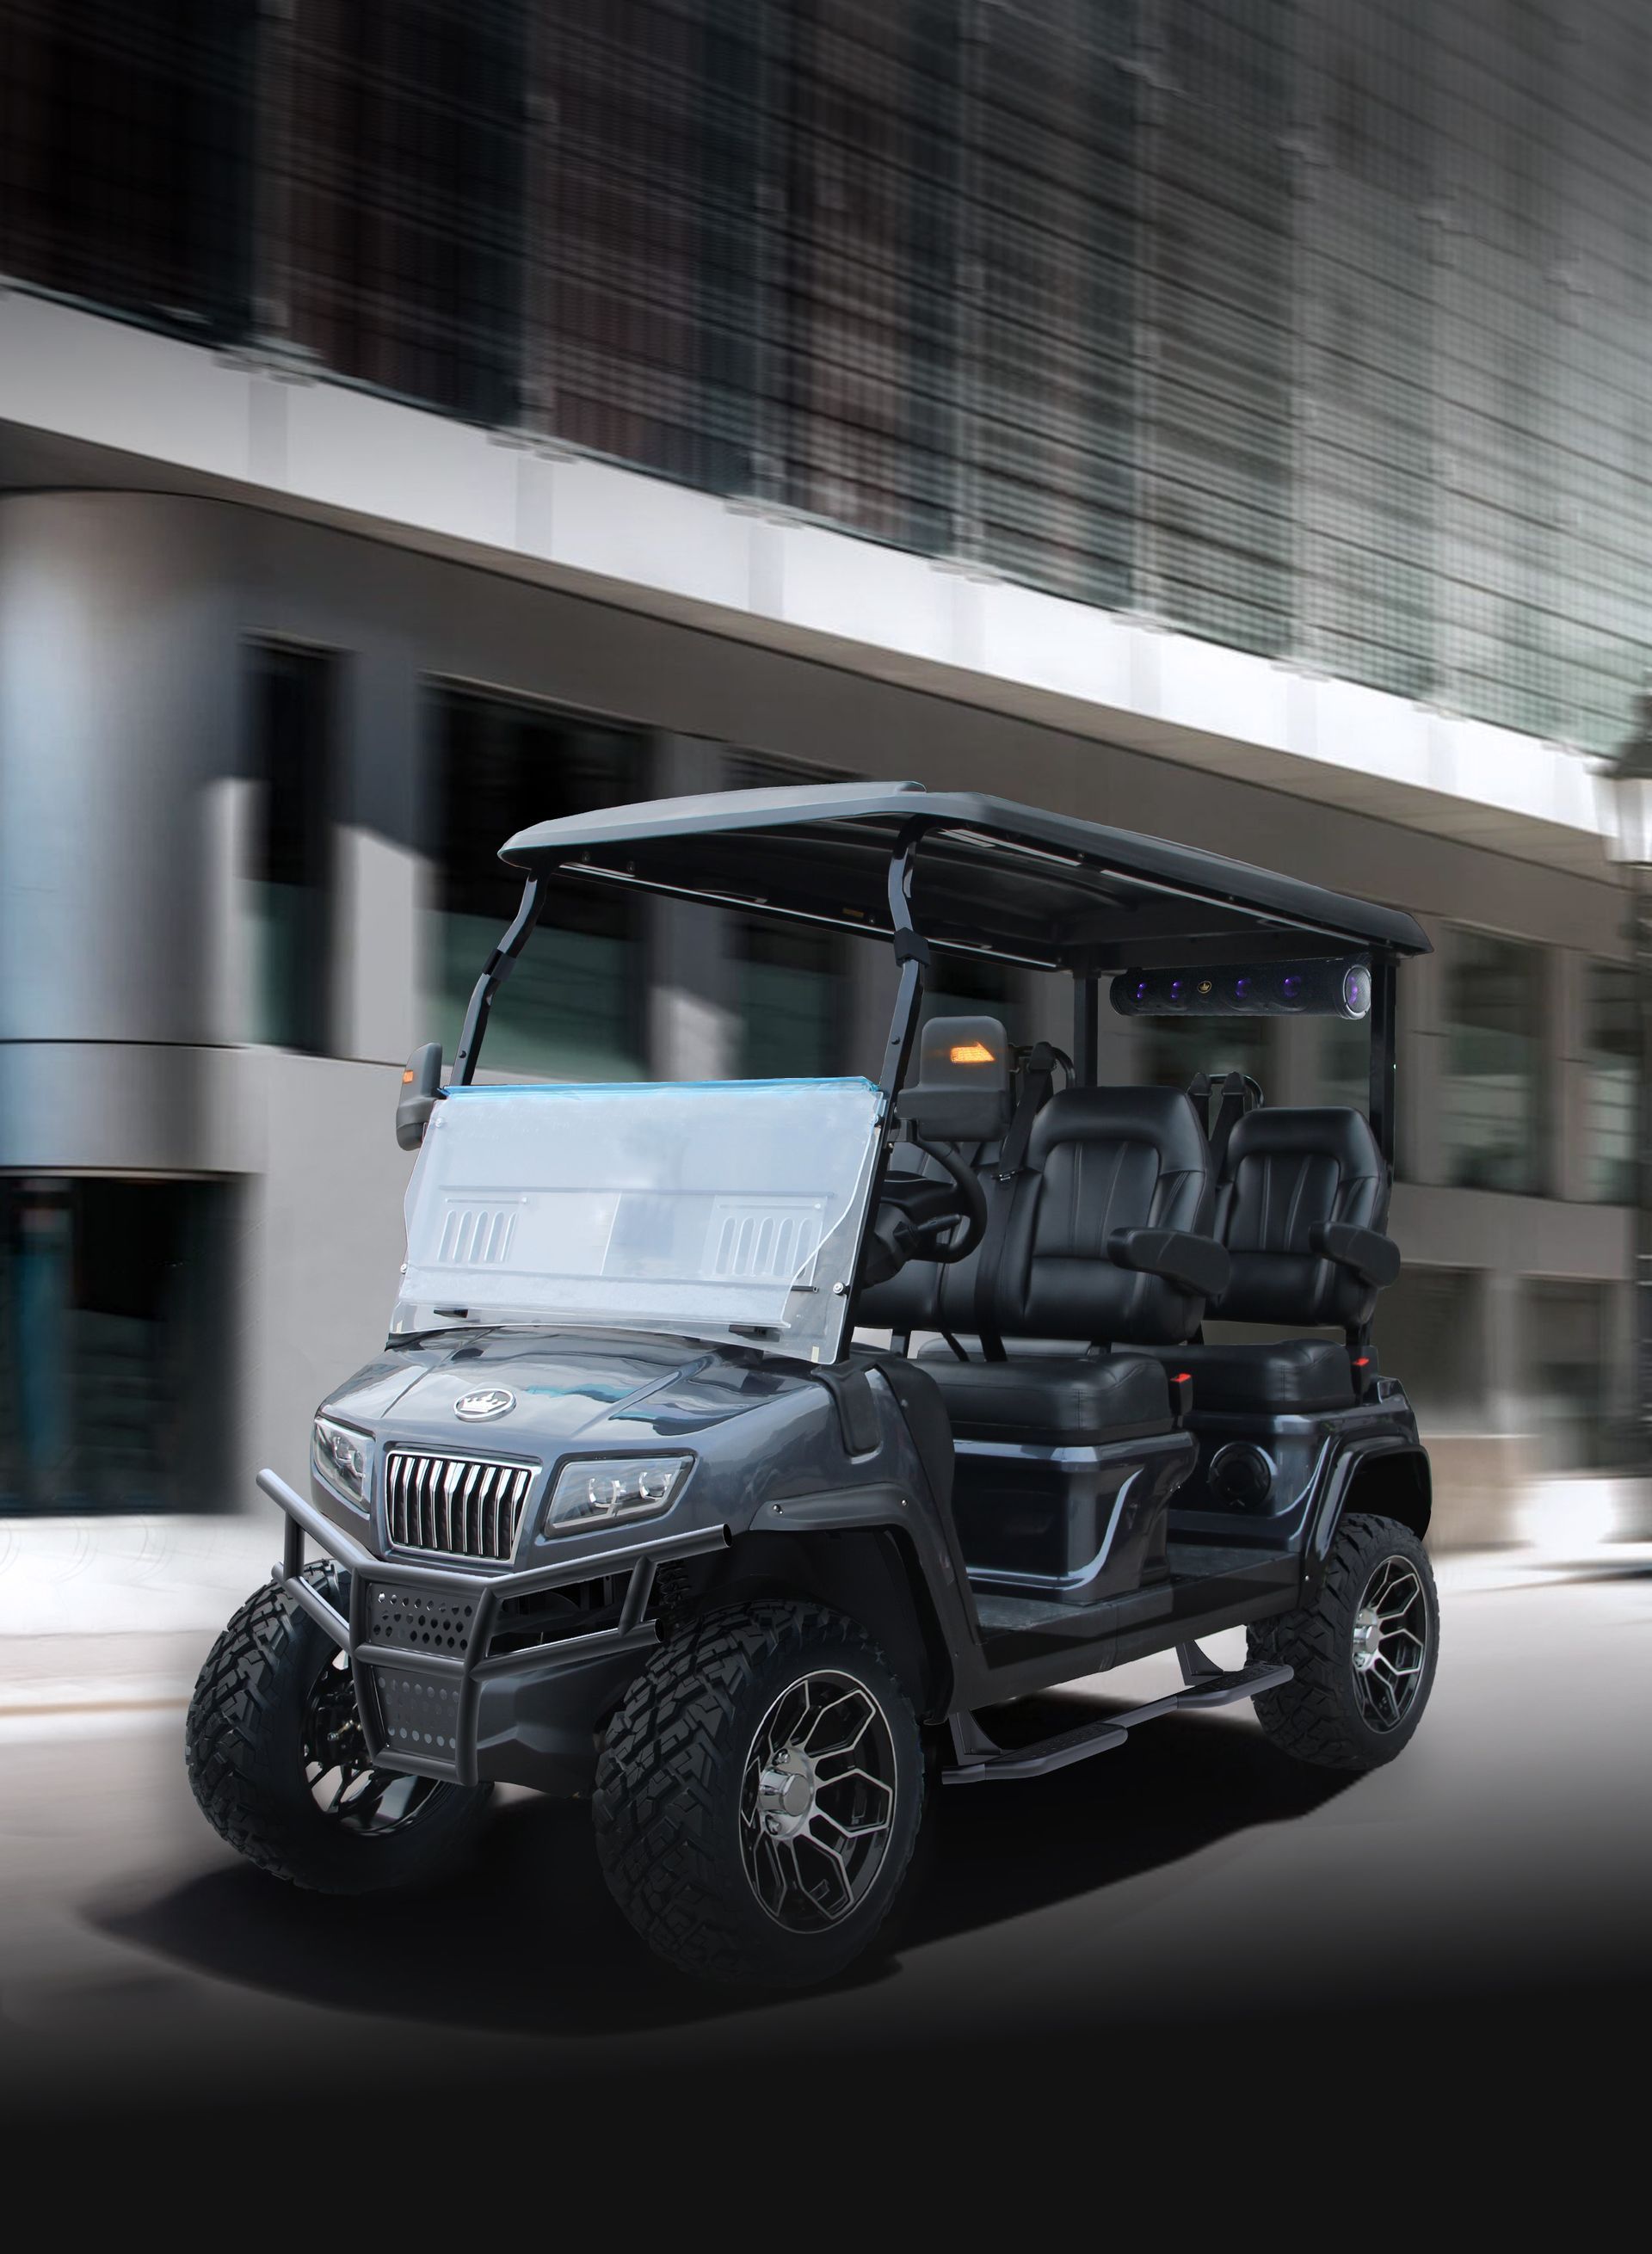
(666, 1808)
(243, 1742)
(1318, 1716)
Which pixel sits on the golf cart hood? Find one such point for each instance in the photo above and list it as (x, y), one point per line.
(569, 1388)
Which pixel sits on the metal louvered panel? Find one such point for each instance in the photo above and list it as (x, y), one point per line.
(455, 1506)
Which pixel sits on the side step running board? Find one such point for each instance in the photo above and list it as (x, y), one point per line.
(977, 1757)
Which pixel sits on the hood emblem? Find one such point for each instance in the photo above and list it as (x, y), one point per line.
(493, 1401)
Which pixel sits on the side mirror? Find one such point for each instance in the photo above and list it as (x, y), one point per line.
(421, 1093)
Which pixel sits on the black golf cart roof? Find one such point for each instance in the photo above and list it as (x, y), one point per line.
(988, 877)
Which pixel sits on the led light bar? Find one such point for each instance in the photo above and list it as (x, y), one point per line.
(1321, 989)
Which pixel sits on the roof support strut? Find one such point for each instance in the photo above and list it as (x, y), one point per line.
(912, 954)
(1384, 1060)
(498, 966)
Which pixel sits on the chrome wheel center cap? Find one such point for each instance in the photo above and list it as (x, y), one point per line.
(785, 1793)
(1368, 1641)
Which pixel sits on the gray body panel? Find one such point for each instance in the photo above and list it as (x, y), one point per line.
(794, 1484)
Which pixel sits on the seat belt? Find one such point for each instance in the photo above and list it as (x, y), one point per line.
(1239, 1094)
(1235, 1101)
(1037, 1082)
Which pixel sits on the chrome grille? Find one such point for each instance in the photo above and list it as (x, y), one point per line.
(459, 1506)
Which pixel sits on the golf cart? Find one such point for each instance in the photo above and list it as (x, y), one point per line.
(741, 1453)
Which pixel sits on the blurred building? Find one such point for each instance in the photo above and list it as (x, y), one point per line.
(1226, 418)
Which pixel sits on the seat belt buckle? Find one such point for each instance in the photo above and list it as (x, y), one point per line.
(1181, 1394)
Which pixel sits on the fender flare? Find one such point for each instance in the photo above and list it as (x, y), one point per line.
(1406, 1459)
(940, 1617)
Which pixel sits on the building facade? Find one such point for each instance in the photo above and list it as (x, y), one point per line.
(1221, 420)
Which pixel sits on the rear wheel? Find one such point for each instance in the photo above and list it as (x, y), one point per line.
(1363, 1652)
(759, 1795)
(279, 1766)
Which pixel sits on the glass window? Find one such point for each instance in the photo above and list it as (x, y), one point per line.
(1429, 1332)
(1343, 1066)
(791, 994)
(1611, 1050)
(1568, 1379)
(1172, 1049)
(114, 1365)
(406, 137)
(975, 986)
(125, 156)
(290, 876)
(1490, 1114)
(572, 1007)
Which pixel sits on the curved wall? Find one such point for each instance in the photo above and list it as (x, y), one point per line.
(118, 706)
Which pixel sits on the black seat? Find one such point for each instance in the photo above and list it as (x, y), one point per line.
(968, 1108)
(1282, 1376)
(1072, 1398)
(1301, 1208)
(1102, 1238)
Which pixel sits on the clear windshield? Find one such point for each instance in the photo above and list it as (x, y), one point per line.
(717, 1209)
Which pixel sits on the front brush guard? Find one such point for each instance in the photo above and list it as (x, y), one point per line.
(452, 1681)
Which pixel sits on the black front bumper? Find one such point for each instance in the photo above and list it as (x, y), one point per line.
(432, 1701)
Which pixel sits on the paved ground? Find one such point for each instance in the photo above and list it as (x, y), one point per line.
(1190, 1907)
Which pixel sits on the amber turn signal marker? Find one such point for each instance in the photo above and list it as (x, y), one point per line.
(972, 1052)
(406, 1076)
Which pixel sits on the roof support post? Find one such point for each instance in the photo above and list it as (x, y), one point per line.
(498, 966)
(1384, 1056)
(912, 954)
(1087, 997)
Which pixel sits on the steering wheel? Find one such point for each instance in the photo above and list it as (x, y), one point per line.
(916, 1214)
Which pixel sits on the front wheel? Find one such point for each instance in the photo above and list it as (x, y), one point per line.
(1364, 1651)
(759, 1795)
(279, 1766)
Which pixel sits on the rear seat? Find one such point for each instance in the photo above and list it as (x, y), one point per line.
(1301, 1208)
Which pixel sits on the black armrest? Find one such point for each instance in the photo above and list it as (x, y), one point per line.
(1198, 1264)
(1373, 1258)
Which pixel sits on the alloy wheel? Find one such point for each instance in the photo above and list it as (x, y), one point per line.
(1390, 1643)
(817, 1802)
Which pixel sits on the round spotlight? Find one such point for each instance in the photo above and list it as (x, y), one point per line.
(1178, 990)
(1142, 990)
(1292, 987)
(1356, 989)
(1241, 988)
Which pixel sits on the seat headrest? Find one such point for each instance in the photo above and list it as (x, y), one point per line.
(1162, 1118)
(1301, 1131)
(961, 1091)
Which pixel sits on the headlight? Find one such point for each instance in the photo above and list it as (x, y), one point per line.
(592, 1493)
(340, 1458)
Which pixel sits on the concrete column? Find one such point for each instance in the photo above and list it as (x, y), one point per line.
(378, 1006)
(383, 878)
(1503, 1350)
(119, 728)
(228, 809)
(694, 1029)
